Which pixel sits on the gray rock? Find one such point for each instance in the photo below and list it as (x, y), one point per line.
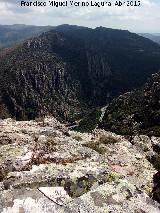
(43, 169)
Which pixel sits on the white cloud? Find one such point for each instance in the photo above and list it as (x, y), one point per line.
(145, 18)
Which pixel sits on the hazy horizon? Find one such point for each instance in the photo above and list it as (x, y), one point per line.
(142, 19)
(153, 33)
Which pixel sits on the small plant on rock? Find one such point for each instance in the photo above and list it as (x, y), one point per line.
(77, 138)
(104, 139)
(95, 146)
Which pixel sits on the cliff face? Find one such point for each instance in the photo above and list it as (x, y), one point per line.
(66, 70)
(136, 111)
(118, 60)
(37, 80)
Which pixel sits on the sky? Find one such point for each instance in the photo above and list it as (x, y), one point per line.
(144, 19)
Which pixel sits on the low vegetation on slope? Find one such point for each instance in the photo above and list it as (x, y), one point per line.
(136, 111)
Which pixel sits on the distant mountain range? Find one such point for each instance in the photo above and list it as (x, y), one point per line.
(70, 69)
(154, 37)
(13, 34)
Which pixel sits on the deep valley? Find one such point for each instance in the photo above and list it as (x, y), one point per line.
(79, 120)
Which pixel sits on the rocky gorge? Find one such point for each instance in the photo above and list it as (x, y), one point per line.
(76, 135)
(69, 70)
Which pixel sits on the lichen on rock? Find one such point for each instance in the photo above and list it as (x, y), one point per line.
(46, 167)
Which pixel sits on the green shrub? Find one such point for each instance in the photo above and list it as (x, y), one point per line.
(156, 162)
(153, 131)
(89, 121)
(95, 146)
(77, 138)
(104, 139)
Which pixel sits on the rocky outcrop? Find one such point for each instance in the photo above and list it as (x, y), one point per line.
(71, 69)
(109, 197)
(45, 167)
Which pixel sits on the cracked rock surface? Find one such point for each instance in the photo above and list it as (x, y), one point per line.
(45, 167)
